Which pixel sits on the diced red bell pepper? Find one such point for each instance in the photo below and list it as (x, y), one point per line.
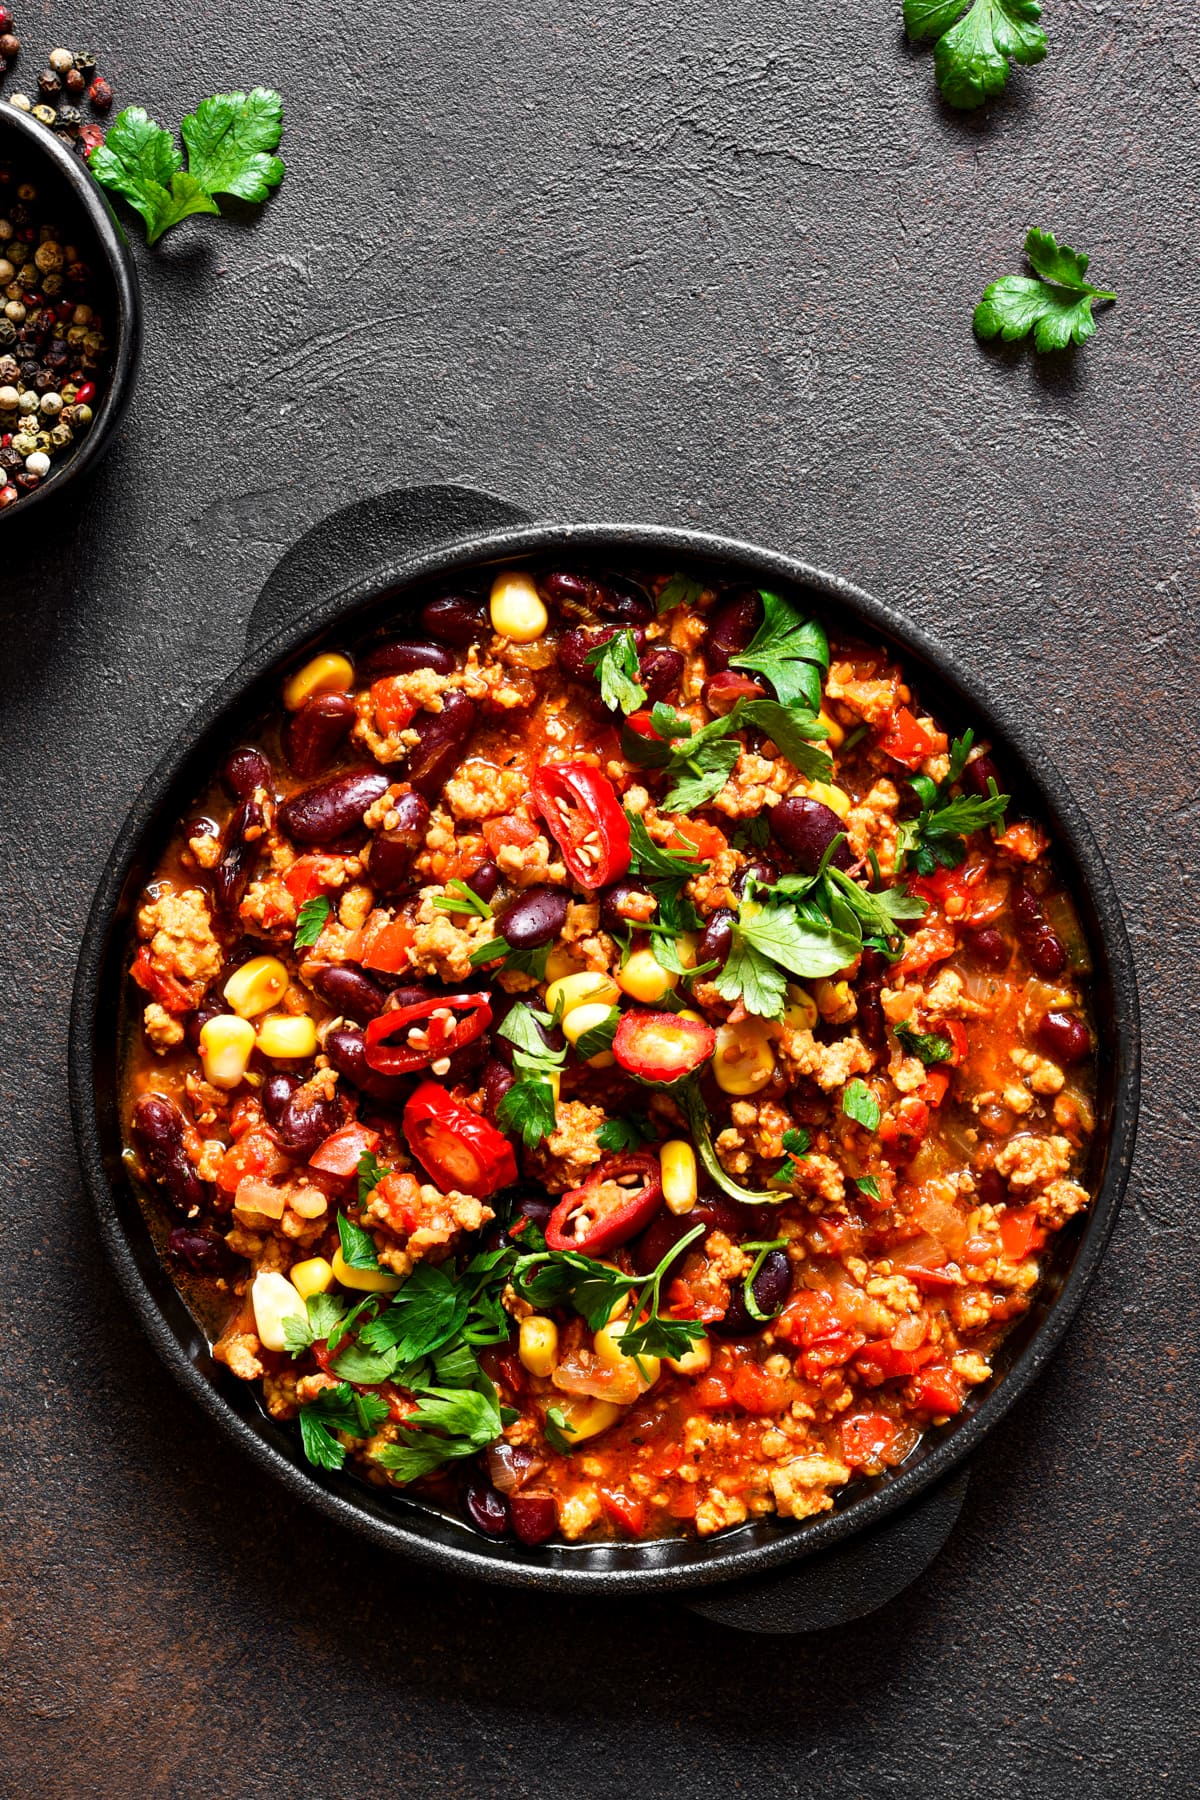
(173, 995)
(257, 1155)
(628, 1513)
(937, 1389)
(1020, 1233)
(310, 876)
(909, 741)
(342, 1150)
(388, 949)
(393, 708)
(934, 1088)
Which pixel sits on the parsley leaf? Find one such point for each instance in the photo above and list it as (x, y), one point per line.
(701, 762)
(681, 590)
(651, 859)
(936, 838)
(928, 1046)
(338, 1409)
(972, 53)
(753, 978)
(1056, 306)
(370, 1173)
(526, 962)
(701, 772)
(528, 1110)
(311, 921)
(599, 1039)
(625, 1134)
(228, 139)
(790, 651)
(297, 1334)
(797, 1142)
(860, 1104)
(364, 1366)
(616, 664)
(867, 1184)
(462, 1421)
(775, 934)
(358, 1246)
(324, 1312)
(459, 898)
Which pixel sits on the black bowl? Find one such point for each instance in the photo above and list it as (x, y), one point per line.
(80, 202)
(414, 1527)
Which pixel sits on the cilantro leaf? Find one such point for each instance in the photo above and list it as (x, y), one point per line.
(459, 898)
(229, 139)
(976, 40)
(625, 1134)
(928, 1046)
(868, 1185)
(370, 1173)
(324, 1312)
(297, 1334)
(860, 1104)
(1056, 306)
(528, 1110)
(616, 664)
(320, 1445)
(358, 1246)
(681, 590)
(141, 162)
(808, 947)
(311, 921)
(790, 651)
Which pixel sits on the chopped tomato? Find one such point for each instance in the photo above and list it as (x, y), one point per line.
(714, 1391)
(903, 1127)
(310, 876)
(586, 820)
(702, 841)
(683, 1503)
(341, 1152)
(1020, 1233)
(397, 1194)
(883, 1362)
(628, 1513)
(173, 995)
(757, 1391)
(255, 1154)
(867, 1439)
(392, 707)
(938, 1390)
(510, 830)
(831, 1353)
(807, 1318)
(389, 947)
(934, 1088)
(910, 740)
(683, 1304)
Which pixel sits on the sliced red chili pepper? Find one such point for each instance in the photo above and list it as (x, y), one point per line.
(454, 1145)
(397, 1042)
(662, 1046)
(610, 1208)
(584, 814)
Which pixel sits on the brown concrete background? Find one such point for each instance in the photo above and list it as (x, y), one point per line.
(697, 264)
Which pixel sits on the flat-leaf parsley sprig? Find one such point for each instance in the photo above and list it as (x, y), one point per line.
(976, 40)
(1055, 303)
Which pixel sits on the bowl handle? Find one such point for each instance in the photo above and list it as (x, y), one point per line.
(371, 534)
(847, 1582)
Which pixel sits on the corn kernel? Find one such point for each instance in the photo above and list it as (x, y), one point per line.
(693, 1361)
(560, 962)
(516, 608)
(312, 1277)
(274, 1299)
(687, 947)
(257, 986)
(644, 978)
(680, 1186)
(800, 1013)
(325, 674)
(835, 798)
(368, 1281)
(744, 1059)
(696, 1018)
(836, 734)
(287, 1035)
(572, 991)
(835, 1001)
(537, 1344)
(585, 1418)
(225, 1046)
(607, 1344)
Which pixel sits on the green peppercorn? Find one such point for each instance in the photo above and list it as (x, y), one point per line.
(45, 114)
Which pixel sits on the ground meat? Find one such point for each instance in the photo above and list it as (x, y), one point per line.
(1033, 1162)
(578, 1511)
(443, 942)
(423, 1219)
(829, 1065)
(422, 689)
(800, 1486)
(875, 701)
(162, 1030)
(528, 865)
(240, 1353)
(1043, 1076)
(947, 998)
(871, 825)
(479, 790)
(1060, 1202)
(571, 1150)
(180, 934)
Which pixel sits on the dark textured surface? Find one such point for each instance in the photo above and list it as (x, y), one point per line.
(707, 267)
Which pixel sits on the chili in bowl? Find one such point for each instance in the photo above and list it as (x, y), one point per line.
(616, 1058)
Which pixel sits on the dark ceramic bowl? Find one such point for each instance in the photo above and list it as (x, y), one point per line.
(61, 176)
(390, 584)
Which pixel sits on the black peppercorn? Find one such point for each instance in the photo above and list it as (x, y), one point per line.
(28, 371)
(10, 458)
(49, 84)
(70, 117)
(8, 331)
(85, 62)
(58, 356)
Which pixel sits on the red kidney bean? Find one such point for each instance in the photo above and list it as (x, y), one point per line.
(333, 808)
(613, 897)
(354, 994)
(534, 918)
(244, 770)
(986, 945)
(574, 648)
(760, 869)
(400, 657)
(977, 774)
(731, 627)
(660, 672)
(313, 735)
(346, 1049)
(411, 995)
(485, 880)
(1064, 1037)
(497, 1079)
(624, 601)
(534, 1207)
(1047, 953)
(394, 850)
(276, 1091)
(1026, 910)
(722, 691)
(441, 739)
(805, 829)
(872, 1026)
(534, 1517)
(771, 1286)
(717, 940)
(232, 873)
(158, 1128)
(486, 1509)
(990, 1188)
(201, 827)
(203, 1252)
(667, 1228)
(308, 1118)
(458, 619)
(565, 588)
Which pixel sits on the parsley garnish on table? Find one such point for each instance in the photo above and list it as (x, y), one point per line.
(936, 838)
(230, 139)
(976, 40)
(1055, 303)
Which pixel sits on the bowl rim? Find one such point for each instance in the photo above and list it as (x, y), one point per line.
(118, 257)
(400, 1525)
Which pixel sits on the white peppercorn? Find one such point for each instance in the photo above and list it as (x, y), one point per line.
(14, 310)
(38, 463)
(51, 405)
(60, 61)
(22, 102)
(9, 399)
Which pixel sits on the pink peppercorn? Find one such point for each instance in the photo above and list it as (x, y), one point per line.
(100, 94)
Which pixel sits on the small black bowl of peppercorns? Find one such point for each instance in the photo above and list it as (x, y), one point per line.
(70, 315)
